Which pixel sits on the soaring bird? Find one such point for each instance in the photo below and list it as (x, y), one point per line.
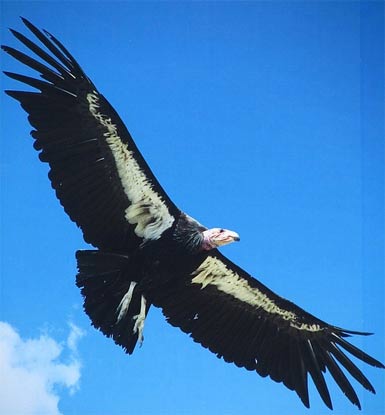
(149, 252)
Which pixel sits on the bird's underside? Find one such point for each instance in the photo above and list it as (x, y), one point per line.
(149, 252)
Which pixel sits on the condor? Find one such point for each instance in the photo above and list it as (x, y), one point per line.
(150, 252)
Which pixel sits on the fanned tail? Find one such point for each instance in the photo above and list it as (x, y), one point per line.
(112, 297)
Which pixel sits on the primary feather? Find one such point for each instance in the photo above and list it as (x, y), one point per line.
(149, 252)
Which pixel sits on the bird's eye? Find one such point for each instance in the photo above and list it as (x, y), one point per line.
(221, 230)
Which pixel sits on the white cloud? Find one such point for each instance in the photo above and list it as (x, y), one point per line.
(32, 371)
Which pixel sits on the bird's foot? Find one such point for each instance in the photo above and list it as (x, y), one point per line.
(139, 320)
(122, 308)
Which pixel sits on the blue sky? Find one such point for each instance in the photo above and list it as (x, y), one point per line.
(262, 117)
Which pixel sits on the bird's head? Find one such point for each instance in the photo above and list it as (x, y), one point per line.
(213, 238)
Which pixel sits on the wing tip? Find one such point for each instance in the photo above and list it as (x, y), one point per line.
(5, 48)
(11, 93)
(28, 24)
(13, 31)
(305, 400)
(347, 333)
(355, 351)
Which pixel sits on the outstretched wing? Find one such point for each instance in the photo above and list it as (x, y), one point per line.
(99, 176)
(238, 318)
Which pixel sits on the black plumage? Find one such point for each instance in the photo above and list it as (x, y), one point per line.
(149, 252)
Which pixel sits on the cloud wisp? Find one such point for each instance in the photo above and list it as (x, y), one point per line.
(34, 371)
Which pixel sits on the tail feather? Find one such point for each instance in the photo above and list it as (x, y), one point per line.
(112, 297)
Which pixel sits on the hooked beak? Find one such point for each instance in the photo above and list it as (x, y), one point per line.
(226, 237)
(234, 236)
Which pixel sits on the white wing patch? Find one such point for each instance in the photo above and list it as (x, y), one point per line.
(213, 271)
(147, 210)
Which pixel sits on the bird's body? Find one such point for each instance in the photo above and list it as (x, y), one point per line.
(150, 252)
